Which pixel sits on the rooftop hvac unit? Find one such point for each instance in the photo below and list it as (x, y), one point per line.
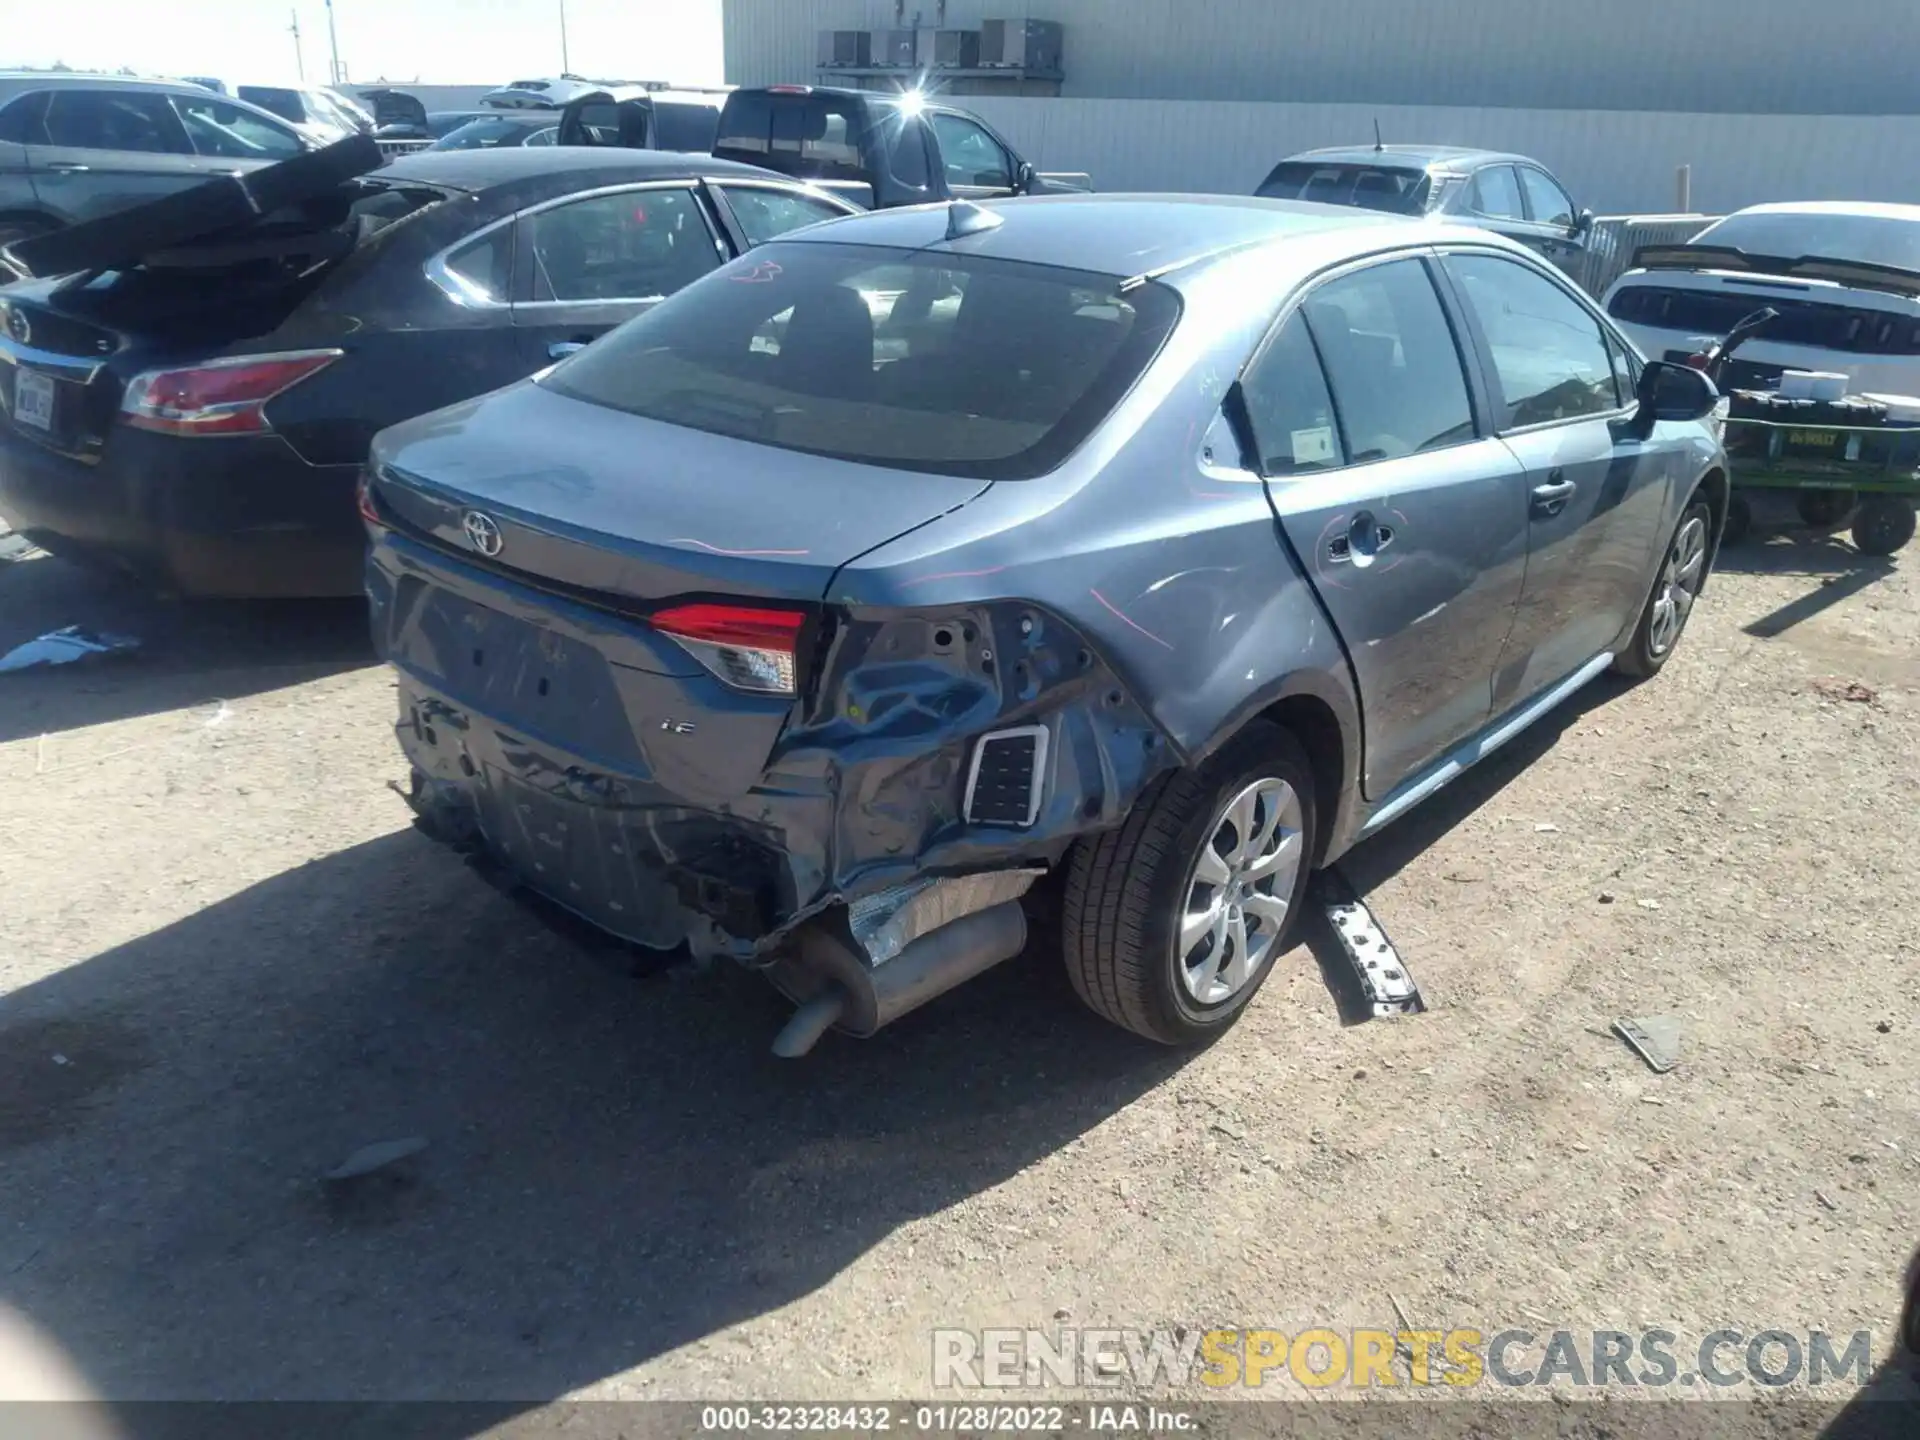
(956, 49)
(845, 49)
(1021, 45)
(893, 49)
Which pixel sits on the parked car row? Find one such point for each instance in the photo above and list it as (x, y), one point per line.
(769, 579)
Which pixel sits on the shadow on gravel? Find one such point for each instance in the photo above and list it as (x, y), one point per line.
(614, 1168)
(1888, 1406)
(191, 652)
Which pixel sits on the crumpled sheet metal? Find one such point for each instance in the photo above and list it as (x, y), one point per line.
(885, 924)
(63, 647)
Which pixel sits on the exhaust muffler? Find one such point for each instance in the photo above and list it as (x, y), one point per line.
(836, 984)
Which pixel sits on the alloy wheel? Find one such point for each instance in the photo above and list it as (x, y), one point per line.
(1238, 891)
(1680, 578)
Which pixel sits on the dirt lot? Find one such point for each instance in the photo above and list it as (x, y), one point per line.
(227, 963)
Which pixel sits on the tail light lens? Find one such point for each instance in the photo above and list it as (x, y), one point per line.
(222, 397)
(749, 648)
(369, 507)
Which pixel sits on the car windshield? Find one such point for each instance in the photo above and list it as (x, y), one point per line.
(1370, 187)
(950, 364)
(280, 101)
(1870, 239)
(483, 134)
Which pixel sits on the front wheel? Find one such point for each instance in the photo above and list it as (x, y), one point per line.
(1174, 920)
(1683, 570)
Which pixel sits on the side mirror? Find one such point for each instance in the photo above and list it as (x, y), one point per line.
(1582, 223)
(1023, 179)
(1673, 392)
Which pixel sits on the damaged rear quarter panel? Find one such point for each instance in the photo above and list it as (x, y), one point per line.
(1140, 599)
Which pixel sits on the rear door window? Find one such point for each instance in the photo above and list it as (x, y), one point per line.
(1547, 203)
(953, 364)
(1290, 407)
(115, 120)
(1392, 361)
(23, 122)
(1496, 194)
(764, 212)
(219, 127)
(1549, 352)
(633, 245)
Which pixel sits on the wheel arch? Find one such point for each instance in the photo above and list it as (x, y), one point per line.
(1719, 492)
(1322, 715)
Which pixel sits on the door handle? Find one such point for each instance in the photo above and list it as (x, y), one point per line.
(1551, 498)
(1364, 539)
(67, 167)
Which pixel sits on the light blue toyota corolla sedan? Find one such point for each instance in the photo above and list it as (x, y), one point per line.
(1134, 555)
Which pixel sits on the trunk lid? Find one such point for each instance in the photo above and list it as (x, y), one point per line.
(626, 512)
(596, 511)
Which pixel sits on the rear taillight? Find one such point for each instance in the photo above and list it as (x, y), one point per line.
(748, 647)
(222, 397)
(368, 506)
(1699, 361)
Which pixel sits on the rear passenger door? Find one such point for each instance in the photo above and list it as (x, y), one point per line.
(589, 262)
(1550, 215)
(1493, 198)
(1409, 519)
(100, 151)
(1563, 393)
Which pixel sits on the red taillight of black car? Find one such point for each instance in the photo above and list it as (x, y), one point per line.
(221, 397)
(368, 506)
(749, 647)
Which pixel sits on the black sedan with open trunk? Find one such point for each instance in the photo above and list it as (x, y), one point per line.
(189, 393)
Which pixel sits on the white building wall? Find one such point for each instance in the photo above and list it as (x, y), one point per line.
(1615, 162)
(1727, 56)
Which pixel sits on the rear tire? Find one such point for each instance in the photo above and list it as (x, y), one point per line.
(1884, 524)
(1218, 858)
(1683, 570)
(1825, 510)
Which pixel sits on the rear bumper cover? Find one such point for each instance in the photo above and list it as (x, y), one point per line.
(856, 791)
(240, 517)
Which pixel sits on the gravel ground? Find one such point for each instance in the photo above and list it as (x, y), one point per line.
(227, 963)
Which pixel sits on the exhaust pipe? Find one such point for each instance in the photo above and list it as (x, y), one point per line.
(837, 985)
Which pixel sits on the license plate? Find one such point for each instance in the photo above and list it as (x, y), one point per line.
(33, 399)
(1823, 439)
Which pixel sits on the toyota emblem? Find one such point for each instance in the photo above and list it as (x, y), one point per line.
(483, 532)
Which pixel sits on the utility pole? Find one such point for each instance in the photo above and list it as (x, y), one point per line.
(565, 68)
(299, 60)
(333, 44)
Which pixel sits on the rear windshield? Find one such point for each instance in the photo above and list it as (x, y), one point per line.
(1870, 239)
(284, 103)
(684, 127)
(484, 135)
(1370, 187)
(944, 363)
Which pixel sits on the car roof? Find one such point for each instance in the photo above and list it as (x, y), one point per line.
(1113, 234)
(14, 82)
(1866, 209)
(477, 170)
(1414, 157)
(624, 93)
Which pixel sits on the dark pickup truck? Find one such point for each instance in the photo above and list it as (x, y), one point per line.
(878, 149)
